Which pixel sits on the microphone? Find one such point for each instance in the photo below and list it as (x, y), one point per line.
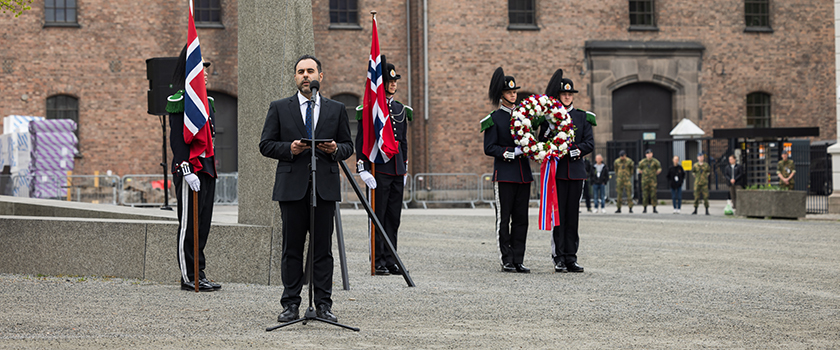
(314, 86)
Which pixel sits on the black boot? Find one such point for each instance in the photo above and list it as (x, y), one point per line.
(707, 211)
(631, 210)
(618, 211)
(644, 211)
(654, 210)
(695, 211)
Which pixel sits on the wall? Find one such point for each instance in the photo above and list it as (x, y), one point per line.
(102, 63)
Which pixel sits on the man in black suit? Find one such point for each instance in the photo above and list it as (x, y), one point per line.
(734, 174)
(571, 172)
(288, 121)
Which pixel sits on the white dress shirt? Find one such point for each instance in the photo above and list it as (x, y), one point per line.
(316, 111)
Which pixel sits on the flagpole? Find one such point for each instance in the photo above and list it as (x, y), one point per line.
(373, 202)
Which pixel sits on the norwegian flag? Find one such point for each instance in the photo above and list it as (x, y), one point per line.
(379, 143)
(196, 109)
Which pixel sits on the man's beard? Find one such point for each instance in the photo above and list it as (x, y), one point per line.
(301, 87)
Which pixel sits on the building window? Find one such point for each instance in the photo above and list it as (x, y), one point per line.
(344, 12)
(522, 14)
(64, 107)
(757, 14)
(60, 13)
(350, 102)
(642, 14)
(208, 13)
(758, 110)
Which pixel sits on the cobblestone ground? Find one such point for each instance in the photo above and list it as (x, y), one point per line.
(652, 281)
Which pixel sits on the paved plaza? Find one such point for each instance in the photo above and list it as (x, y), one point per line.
(652, 281)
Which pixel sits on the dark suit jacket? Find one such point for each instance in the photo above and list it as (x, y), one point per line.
(569, 168)
(738, 175)
(284, 124)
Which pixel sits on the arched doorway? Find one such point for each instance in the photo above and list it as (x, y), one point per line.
(226, 132)
(641, 109)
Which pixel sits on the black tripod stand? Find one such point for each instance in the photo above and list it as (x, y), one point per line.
(310, 313)
(165, 167)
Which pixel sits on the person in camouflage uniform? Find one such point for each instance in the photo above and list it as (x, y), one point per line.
(701, 172)
(785, 170)
(624, 180)
(649, 168)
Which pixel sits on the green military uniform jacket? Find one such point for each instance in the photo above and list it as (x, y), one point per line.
(623, 169)
(785, 168)
(649, 167)
(701, 175)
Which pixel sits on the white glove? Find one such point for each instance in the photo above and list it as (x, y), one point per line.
(193, 181)
(368, 179)
(574, 153)
(509, 155)
(517, 151)
(405, 179)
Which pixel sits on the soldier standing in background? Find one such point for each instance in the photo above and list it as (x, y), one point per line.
(649, 168)
(786, 169)
(623, 180)
(701, 183)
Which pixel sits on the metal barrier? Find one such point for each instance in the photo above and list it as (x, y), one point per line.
(349, 196)
(488, 196)
(97, 189)
(100, 189)
(446, 188)
(227, 189)
(143, 190)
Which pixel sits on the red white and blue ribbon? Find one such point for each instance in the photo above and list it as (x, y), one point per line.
(549, 212)
(379, 143)
(196, 109)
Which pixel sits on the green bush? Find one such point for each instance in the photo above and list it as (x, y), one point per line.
(765, 187)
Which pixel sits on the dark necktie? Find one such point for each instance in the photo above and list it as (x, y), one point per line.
(309, 119)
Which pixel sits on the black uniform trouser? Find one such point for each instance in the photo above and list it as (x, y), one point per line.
(586, 195)
(564, 237)
(295, 216)
(389, 197)
(206, 196)
(512, 220)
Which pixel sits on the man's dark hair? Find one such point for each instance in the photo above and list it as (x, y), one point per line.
(307, 57)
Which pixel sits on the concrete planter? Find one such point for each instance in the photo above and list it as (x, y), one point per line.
(776, 204)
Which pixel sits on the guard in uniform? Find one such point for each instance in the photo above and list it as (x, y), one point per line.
(511, 174)
(623, 180)
(390, 178)
(197, 174)
(701, 172)
(571, 172)
(785, 170)
(649, 168)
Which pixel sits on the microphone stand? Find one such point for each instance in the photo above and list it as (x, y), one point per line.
(310, 314)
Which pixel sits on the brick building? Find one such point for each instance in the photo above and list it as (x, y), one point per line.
(640, 65)
(88, 59)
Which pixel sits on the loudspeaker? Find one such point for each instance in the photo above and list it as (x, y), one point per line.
(159, 71)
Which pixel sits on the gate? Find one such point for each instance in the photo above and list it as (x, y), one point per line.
(820, 186)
